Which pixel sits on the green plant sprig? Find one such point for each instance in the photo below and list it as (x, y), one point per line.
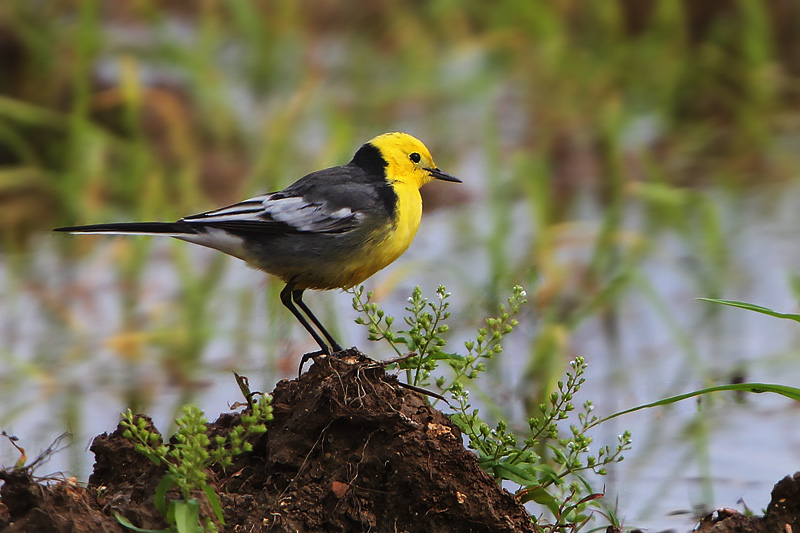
(424, 336)
(544, 479)
(189, 459)
(487, 344)
(548, 463)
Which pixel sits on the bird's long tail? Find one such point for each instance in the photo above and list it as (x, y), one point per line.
(169, 229)
(201, 234)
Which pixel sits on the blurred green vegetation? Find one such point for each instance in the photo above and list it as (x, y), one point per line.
(146, 106)
(153, 109)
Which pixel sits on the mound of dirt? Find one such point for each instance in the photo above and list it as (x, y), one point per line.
(348, 450)
(782, 516)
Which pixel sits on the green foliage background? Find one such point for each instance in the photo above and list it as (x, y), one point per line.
(574, 113)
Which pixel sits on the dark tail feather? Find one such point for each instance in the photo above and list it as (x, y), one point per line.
(151, 228)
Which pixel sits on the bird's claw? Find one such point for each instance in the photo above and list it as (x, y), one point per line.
(310, 355)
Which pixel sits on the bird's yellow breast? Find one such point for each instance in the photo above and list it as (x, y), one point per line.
(406, 222)
(389, 243)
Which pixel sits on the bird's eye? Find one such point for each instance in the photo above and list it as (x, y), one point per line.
(415, 157)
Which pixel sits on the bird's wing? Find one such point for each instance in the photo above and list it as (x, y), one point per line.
(279, 213)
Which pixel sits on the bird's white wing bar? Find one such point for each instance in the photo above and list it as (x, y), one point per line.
(309, 217)
(294, 213)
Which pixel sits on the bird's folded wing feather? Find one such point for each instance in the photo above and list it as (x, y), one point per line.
(278, 213)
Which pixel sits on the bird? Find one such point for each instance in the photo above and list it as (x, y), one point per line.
(331, 229)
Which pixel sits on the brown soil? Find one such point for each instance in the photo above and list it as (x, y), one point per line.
(782, 515)
(348, 450)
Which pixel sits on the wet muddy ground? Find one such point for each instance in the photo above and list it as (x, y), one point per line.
(348, 450)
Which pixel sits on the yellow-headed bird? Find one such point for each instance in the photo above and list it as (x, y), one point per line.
(331, 229)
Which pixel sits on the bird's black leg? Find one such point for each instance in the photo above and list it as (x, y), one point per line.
(286, 298)
(297, 296)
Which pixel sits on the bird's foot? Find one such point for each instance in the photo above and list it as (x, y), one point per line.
(307, 356)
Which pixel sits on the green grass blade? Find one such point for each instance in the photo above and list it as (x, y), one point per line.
(213, 500)
(127, 523)
(784, 390)
(187, 516)
(160, 496)
(753, 307)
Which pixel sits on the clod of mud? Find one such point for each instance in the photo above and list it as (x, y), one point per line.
(348, 450)
(29, 505)
(782, 516)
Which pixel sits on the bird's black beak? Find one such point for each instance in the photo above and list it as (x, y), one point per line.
(444, 176)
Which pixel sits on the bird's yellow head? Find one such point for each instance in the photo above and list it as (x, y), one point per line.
(408, 160)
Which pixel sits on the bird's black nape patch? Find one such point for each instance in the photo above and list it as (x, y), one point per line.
(388, 198)
(370, 160)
